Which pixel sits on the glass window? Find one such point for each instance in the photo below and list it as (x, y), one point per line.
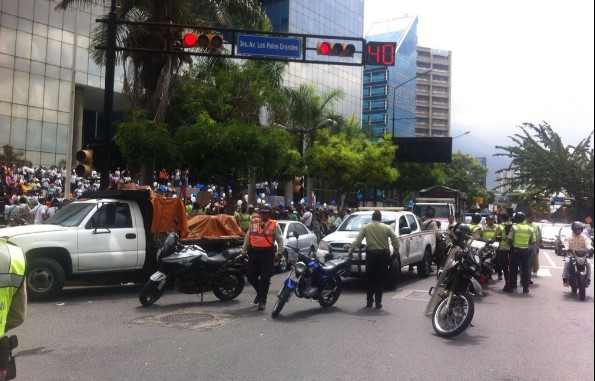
(18, 132)
(51, 93)
(41, 12)
(36, 91)
(412, 222)
(402, 223)
(378, 90)
(62, 139)
(8, 40)
(23, 45)
(48, 137)
(64, 97)
(378, 104)
(33, 131)
(111, 216)
(54, 52)
(20, 91)
(6, 88)
(301, 229)
(66, 58)
(4, 126)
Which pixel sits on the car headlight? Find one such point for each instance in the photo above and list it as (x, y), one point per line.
(323, 245)
(300, 267)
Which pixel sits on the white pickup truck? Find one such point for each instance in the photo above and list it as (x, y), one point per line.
(108, 235)
(416, 245)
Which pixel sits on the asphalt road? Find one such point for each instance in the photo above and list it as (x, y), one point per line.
(103, 333)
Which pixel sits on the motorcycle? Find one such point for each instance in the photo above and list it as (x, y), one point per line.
(441, 249)
(451, 305)
(193, 271)
(310, 278)
(487, 253)
(577, 274)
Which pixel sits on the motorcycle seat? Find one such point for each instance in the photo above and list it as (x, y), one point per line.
(216, 260)
(334, 265)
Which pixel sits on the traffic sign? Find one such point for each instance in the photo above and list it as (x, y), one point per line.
(269, 46)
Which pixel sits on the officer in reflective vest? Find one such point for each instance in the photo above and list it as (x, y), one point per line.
(13, 293)
(13, 303)
(521, 235)
(259, 246)
(503, 252)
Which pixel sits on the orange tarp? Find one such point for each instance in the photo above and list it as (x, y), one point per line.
(165, 211)
(214, 226)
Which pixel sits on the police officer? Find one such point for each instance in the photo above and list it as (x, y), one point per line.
(475, 226)
(259, 246)
(378, 256)
(520, 237)
(503, 252)
(13, 301)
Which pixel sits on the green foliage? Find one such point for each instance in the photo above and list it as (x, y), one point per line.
(141, 139)
(463, 173)
(542, 165)
(10, 155)
(416, 176)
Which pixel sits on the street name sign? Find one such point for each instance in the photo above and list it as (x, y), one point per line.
(269, 46)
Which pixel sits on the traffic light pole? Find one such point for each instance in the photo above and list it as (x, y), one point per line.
(108, 100)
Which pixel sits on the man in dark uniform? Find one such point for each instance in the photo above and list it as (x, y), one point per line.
(259, 246)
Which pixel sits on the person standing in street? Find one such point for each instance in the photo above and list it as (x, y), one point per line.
(534, 247)
(259, 247)
(503, 253)
(378, 256)
(520, 237)
(307, 218)
(13, 302)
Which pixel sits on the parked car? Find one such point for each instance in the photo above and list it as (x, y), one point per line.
(306, 242)
(549, 233)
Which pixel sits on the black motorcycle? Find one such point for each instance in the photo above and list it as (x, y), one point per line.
(451, 305)
(577, 275)
(193, 271)
(312, 279)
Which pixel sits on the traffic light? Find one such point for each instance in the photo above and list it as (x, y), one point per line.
(326, 48)
(298, 184)
(85, 159)
(202, 40)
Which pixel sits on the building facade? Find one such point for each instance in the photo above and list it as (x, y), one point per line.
(50, 87)
(328, 18)
(389, 91)
(432, 93)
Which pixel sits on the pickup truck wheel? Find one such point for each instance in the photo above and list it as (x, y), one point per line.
(394, 274)
(425, 266)
(45, 279)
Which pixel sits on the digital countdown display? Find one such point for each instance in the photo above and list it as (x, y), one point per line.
(380, 53)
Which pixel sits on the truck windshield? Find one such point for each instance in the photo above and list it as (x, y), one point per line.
(71, 215)
(355, 222)
(437, 210)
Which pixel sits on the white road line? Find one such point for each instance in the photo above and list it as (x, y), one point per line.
(550, 260)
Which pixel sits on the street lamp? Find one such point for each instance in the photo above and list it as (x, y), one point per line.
(395, 94)
(464, 133)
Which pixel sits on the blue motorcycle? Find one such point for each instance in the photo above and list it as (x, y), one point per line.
(312, 279)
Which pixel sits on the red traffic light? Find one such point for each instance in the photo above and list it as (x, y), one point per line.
(335, 49)
(203, 40)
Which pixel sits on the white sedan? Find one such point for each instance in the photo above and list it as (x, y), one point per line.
(306, 242)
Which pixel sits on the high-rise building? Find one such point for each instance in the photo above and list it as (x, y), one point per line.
(432, 93)
(389, 91)
(328, 18)
(51, 92)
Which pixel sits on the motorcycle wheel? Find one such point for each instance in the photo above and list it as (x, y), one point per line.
(330, 293)
(451, 322)
(281, 300)
(582, 284)
(229, 285)
(150, 293)
(573, 285)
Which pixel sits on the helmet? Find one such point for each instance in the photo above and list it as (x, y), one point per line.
(476, 218)
(518, 217)
(462, 232)
(266, 208)
(576, 225)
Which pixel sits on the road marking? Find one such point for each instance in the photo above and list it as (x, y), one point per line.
(403, 294)
(543, 272)
(550, 260)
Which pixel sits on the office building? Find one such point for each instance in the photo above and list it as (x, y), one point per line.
(49, 83)
(432, 93)
(327, 18)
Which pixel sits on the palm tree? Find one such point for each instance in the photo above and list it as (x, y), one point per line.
(307, 111)
(148, 77)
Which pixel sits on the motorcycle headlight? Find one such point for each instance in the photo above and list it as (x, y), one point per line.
(300, 267)
(323, 245)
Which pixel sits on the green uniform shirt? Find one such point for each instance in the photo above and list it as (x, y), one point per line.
(377, 235)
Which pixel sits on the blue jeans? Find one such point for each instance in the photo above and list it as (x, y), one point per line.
(532, 252)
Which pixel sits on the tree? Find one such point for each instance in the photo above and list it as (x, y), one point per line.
(148, 77)
(463, 173)
(10, 155)
(231, 154)
(542, 165)
(416, 176)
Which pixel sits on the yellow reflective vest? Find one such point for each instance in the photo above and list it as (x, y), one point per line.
(12, 275)
(523, 235)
